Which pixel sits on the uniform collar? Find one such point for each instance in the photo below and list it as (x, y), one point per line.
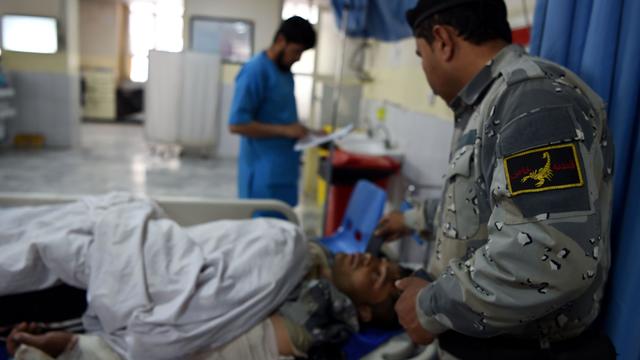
(476, 88)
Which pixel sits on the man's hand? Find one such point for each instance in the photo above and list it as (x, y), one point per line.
(406, 309)
(295, 131)
(392, 226)
(318, 132)
(12, 343)
(52, 343)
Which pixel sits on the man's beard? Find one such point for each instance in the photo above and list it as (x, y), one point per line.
(280, 62)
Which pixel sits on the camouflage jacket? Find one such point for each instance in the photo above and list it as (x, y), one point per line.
(522, 229)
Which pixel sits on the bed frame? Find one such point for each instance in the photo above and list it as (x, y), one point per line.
(185, 211)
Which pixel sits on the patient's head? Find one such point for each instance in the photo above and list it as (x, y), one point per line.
(369, 282)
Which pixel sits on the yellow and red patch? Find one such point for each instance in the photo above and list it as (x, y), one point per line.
(543, 169)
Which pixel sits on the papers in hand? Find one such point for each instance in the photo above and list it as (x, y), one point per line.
(312, 139)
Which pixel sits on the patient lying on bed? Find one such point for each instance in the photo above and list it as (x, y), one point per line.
(335, 295)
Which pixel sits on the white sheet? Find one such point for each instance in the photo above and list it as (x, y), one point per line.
(155, 290)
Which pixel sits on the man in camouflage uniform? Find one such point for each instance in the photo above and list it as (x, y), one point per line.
(521, 232)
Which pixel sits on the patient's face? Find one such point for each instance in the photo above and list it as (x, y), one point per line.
(364, 278)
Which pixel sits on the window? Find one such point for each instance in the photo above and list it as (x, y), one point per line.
(303, 9)
(303, 70)
(34, 34)
(153, 26)
(232, 39)
(310, 12)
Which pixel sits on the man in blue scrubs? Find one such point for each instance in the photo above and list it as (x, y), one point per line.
(264, 113)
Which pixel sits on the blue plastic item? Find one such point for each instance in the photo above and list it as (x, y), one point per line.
(3, 83)
(3, 352)
(366, 341)
(364, 211)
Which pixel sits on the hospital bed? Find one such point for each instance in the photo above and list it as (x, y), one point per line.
(185, 211)
(188, 211)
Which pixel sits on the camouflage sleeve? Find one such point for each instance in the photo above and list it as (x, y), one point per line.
(547, 232)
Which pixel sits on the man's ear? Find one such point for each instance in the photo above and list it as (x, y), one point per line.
(365, 313)
(443, 43)
(280, 41)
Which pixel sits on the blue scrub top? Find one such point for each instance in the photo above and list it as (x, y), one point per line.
(267, 167)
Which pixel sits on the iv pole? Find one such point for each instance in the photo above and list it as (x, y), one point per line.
(337, 81)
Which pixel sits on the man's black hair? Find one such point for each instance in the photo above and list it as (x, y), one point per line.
(476, 21)
(297, 30)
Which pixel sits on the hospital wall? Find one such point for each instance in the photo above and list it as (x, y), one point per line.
(66, 59)
(264, 14)
(398, 76)
(399, 79)
(104, 60)
(418, 121)
(47, 85)
(100, 42)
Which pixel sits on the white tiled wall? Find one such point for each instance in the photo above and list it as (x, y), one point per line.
(424, 140)
(47, 104)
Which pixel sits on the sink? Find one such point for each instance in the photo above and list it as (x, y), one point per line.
(361, 144)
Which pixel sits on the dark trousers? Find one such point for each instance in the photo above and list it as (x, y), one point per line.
(58, 303)
(589, 345)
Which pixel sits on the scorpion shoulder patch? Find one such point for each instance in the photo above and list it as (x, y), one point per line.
(543, 169)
